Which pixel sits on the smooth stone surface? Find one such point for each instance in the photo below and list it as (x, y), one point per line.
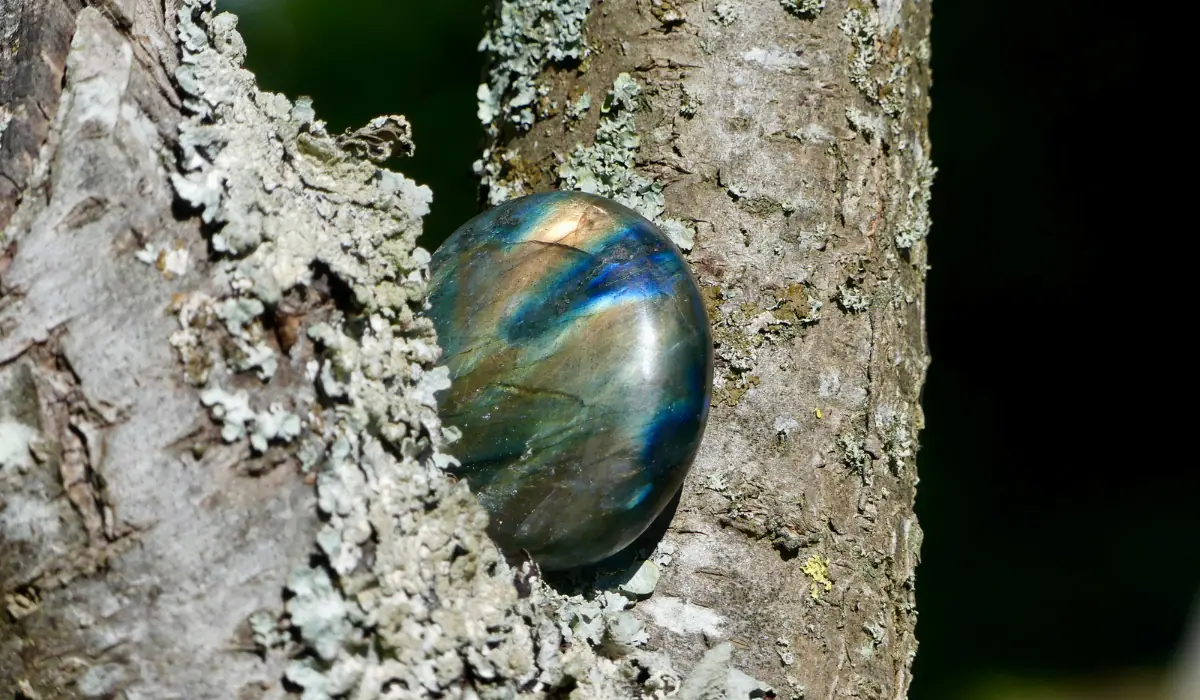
(580, 361)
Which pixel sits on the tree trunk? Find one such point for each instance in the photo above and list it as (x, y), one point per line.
(789, 141)
(220, 459)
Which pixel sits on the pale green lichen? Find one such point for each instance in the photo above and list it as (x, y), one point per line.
(239, 420)
(854, 452)
(870, 126)
(689, 103)
(884, 85)
(623, 96)
(527, 36)
(249, 352)
(899, 439)
(359, 223)
(680, 233)
(725, 13)
(807, 9)
(265, 630)
(884, 82)
(524, 38)
(643, 581)
(862, 27)
(714, 677)
(914, 222)
(578, 108)
(852, 299)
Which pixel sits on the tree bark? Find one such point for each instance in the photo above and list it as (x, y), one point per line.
(220, 459)
(789, 140)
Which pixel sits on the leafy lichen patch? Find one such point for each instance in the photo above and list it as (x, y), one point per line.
(854, 452)
(238, 420)
(861, 25)
(899, 438)
(725, 13)
(525, 37)
(852, 299)
(914, 222)
(807, 9)
(878, 64)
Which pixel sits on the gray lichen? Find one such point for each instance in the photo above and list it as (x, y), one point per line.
(714, 678)
(265, 630)
(854, 452)
(433, 572)
(239, 420)
(524, 38)
(869, 125)
(578, 108)
(807, 9)
(852, 299)
(643, 581)
(725, 13)
(862, 26)
(899, 439)
(882, 78)
(914, 223)
(689, 103)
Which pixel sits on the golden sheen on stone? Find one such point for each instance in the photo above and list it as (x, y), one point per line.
(580, 362)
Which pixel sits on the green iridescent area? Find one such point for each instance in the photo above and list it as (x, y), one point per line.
(580, 361)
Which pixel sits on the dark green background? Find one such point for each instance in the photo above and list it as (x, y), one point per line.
(1056, 496)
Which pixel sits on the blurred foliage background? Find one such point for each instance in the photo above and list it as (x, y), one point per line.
(1061, 531)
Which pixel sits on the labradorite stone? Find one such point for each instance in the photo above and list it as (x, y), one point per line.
(581, 368)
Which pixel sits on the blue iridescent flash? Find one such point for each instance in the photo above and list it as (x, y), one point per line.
(580, 360)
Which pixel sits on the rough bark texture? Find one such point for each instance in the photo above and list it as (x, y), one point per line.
(220, 463)
(789, 140)
(125, 552)
(29, 89)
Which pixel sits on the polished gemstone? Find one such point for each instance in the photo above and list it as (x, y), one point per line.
(581, 368)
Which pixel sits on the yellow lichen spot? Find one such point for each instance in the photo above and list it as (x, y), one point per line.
(818, 413)
(793, 304)
(817, 568)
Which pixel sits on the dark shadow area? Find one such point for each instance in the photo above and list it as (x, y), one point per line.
(1054, 513)
(617, 569)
